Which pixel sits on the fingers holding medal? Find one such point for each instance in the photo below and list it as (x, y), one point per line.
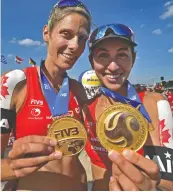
(122, 126)
(70, 134)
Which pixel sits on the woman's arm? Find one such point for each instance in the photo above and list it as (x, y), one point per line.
(9, 82)
(132, 171)
(162, 120)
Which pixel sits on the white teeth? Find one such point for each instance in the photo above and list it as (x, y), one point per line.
(113, 76)
(68, 56)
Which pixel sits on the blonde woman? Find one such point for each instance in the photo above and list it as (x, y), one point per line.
(31, 98)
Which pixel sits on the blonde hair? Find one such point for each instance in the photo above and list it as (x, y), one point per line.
(58, 14)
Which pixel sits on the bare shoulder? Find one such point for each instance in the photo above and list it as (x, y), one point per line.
(75, 83)
(78, 89)
(154, 102)
(153, 97)
(160, 113)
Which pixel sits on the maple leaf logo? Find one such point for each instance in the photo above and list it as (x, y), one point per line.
(4, 89)
(164, 135)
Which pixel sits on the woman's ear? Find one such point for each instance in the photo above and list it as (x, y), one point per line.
(46, 34)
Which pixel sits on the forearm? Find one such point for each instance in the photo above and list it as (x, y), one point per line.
(6, 172)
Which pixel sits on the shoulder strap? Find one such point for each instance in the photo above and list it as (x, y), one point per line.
(32, 78)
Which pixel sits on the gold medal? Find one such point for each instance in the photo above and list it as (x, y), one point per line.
(122, 126)
(70, 134)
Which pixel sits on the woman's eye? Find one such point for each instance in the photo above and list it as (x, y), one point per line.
(122, 55)
(66, 34)
(103, 55)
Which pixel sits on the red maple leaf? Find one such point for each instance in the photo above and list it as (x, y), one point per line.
(164, 135)
(4, 89)
(162, 124)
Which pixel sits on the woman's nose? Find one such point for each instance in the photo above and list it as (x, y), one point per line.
(73, 43)
(113, 66)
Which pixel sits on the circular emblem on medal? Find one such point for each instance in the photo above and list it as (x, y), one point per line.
(70, 134)
(122, 126)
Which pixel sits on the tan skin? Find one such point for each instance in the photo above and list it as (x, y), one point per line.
(66, 42)
(113, 61)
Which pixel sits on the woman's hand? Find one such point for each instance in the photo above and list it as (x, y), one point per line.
(31, 153)
(131, 172)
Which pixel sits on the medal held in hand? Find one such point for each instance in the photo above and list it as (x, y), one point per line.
(122, 126)
(70, 135)
(69, 132)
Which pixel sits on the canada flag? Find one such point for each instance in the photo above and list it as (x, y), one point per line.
(165, 123)
(18, 60)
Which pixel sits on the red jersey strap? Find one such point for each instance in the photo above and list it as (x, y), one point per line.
(32, 72)
(34, 117)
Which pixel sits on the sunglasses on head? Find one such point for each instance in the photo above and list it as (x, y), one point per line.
(119, 30)
(71, 3)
